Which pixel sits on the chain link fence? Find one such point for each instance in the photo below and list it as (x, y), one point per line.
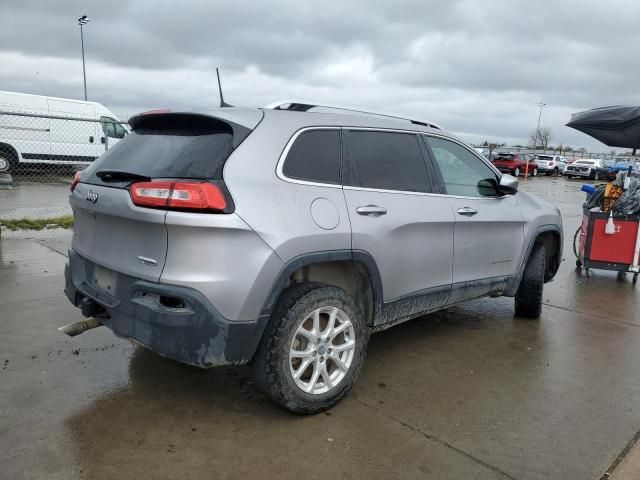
(39, 154)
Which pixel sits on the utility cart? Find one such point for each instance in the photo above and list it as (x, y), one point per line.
(608, 242)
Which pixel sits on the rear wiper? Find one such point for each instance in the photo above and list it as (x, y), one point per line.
(119, 176)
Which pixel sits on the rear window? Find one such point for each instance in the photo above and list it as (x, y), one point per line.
(315, 157)
(544, 157)
(384, 160)
(185, 147)
(505, 157)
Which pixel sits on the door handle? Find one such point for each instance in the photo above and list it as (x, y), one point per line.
(371, 210)
(467, 211)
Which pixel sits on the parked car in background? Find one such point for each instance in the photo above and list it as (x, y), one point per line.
(551, 164)
(34, 130)
(283, 237)
(593, 168)
(516, 164)
(622, 166)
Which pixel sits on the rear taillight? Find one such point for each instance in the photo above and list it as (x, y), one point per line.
(196, 196)
(550, 164)
(75, 181)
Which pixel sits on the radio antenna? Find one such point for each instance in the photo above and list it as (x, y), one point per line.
(222, 102)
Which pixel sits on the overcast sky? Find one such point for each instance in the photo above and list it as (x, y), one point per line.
(478, 68)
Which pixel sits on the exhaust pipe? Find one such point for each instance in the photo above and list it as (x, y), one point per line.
(77, 328)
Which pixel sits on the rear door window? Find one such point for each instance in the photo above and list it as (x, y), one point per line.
(314, 156)
(385, 161)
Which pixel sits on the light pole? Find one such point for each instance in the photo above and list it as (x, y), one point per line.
(542, 105)
(83, 20)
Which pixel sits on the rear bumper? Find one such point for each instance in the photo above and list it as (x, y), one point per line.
(194, 333)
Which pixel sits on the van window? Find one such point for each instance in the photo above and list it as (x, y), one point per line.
(314, 157)
(384, 160)
(112, 128)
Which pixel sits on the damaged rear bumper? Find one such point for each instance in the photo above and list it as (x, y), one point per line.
(174, 321)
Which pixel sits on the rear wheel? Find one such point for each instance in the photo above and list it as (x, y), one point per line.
(596, 176)
(555, 172)
(528, 300)
(313, 348)
(8, 160)
(516, 172)
(535, 172)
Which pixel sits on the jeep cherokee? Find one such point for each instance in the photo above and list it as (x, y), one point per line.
(282, 237)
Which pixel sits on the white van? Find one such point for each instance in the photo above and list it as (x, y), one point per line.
(35, 129)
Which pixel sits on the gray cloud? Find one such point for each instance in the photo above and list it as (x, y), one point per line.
(474, 67)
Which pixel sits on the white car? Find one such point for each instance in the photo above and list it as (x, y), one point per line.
(35, 129)
(551, 164)
(593, 168)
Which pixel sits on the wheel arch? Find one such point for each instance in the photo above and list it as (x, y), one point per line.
(551, 237)
(353, 270)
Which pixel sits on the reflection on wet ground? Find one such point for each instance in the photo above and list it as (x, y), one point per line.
(471, 392)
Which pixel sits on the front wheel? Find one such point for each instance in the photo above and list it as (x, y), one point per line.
(313, 348)
(529, 295)
(596, 176)
(516, 172)
(535, 172)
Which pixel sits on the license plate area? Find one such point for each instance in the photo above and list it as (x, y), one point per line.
(104, 279)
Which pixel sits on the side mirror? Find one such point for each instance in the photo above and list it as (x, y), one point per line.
(508, 184)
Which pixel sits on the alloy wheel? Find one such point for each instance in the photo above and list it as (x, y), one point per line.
(322, 350)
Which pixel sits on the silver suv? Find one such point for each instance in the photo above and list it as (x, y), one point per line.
(282, 237)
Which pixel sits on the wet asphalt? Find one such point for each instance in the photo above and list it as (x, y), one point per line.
(468, 393)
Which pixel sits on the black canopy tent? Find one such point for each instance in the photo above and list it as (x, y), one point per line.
(617, 126)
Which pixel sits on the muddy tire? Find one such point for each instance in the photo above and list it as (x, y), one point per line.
(300, 364)
(528, 299)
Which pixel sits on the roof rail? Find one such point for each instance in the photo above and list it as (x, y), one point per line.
(305, 106)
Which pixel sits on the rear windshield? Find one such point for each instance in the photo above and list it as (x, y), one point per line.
(193, 149)
(505, 157)
(544, 157)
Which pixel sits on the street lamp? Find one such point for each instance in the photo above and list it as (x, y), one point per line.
(542, 105)
(83, 20)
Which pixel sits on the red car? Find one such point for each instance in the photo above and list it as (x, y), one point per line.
(516, 164)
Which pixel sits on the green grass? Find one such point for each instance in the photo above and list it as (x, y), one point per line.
(65, 221)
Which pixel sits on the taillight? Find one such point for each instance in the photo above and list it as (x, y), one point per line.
(201, 196)
(75, 181)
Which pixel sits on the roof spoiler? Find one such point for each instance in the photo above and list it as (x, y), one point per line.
(187, 123)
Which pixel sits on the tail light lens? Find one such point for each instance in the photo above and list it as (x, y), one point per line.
(76, 180)
(194, 196)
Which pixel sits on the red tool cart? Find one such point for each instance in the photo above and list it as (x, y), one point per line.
(608, 243)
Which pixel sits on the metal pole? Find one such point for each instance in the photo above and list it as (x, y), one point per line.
(84, 73)
(538, 128)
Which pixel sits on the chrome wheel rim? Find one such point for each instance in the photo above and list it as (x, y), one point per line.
(322, 350)
(516, 172)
